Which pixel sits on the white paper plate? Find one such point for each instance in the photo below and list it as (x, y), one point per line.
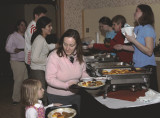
(87, 79)
(60, 110)
(102, 79)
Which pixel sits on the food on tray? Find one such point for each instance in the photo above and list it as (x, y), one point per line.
(105, 72)
(117, 71)
(62, 115)
(139, 69)
(92, 83)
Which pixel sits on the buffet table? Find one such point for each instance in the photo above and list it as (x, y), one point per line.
(92, 108)
(110, 107)
(127, 98)
(97, 107)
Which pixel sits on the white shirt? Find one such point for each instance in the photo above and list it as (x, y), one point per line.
(15, 40)
(28, 34)
(39, 52)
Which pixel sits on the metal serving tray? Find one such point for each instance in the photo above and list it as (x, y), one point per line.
(138, 71)
(141, 76)
(95, 58)
(109, 65)
(128, 79)
(90, 59)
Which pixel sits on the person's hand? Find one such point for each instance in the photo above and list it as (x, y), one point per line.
(72, 86)
(17, 50)
(71, 83)
(29, 57)
(130, 38)
(90, 46)
(118, 46)
(57, 104)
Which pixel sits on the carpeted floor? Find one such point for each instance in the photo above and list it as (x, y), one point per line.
(7, 110)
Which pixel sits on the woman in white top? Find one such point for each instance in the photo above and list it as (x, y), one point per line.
(40, 50)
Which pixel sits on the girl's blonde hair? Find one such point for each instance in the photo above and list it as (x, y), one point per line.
(29, 91)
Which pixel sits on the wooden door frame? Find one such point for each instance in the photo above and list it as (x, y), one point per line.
(60, 17)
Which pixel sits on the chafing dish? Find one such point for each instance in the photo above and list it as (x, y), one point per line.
(122, 71)
(97, 65)
(136, 77)
(90, 59)
(99, 58)
(93, 68)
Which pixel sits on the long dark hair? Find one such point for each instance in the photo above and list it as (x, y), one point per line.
(71, 33)
(19, 22)
(147, 15)
(41, 23)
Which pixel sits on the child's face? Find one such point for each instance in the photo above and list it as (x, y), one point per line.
(116, 26)
(40, 92)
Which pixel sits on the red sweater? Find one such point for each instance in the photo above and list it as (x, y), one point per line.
(124, 56)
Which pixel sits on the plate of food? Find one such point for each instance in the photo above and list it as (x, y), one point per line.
(87, 79)
(102, 79)
(62, 113)
(91, 84)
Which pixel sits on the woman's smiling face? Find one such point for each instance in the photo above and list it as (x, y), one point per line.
(47, 30)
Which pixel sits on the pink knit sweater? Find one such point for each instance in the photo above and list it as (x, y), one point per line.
(60, 71)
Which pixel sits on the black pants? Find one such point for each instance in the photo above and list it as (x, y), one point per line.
(153, 77)
(40, 75)
(28, 69)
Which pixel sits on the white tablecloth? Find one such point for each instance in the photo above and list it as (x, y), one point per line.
(117, 103)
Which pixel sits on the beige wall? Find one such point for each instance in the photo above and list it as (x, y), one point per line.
(12, 12)
(73, 10)
(28, 10)
(73, 14)
(127, 11)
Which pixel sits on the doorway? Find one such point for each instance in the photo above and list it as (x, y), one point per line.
(22, 9)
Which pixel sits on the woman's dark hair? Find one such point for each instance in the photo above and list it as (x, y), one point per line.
(19, 22)
(106, 21)
(41, 23)
(147, 15)
(119, 19)
(74, 34)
